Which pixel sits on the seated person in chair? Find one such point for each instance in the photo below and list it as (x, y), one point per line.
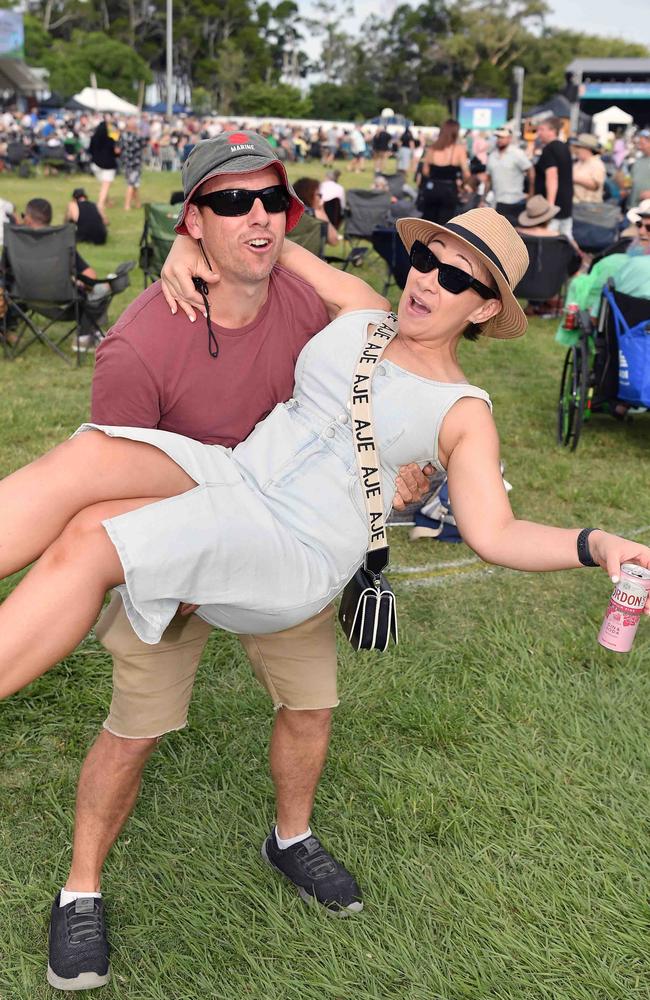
(534, 221)
(38, 215)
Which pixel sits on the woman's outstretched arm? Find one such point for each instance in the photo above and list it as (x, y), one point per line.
(485, 518)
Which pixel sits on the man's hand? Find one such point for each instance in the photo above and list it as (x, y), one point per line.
(411, 485)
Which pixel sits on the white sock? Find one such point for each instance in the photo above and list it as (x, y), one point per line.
(290, 841)
(69, 895)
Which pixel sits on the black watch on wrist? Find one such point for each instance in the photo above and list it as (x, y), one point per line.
(584, 555)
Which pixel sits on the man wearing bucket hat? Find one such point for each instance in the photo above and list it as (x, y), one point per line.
(588, 169)
(508, 167)
(212, 380)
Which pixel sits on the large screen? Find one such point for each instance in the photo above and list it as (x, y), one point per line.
(479, 112)
(12, 35)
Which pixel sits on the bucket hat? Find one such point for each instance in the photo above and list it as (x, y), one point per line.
(538, 211)
(491, 238)
(586, 140)
(232, 153)
(641, 211)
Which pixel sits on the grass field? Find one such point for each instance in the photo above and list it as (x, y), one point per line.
(487, 781)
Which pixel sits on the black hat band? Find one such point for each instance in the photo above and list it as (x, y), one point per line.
(477, 242)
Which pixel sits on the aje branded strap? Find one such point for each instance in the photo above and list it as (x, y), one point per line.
(367, 613)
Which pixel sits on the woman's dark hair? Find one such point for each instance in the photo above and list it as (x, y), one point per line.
(307, 188)
(472, 331)
(448, 135)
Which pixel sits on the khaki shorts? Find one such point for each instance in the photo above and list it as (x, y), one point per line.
(152, 685)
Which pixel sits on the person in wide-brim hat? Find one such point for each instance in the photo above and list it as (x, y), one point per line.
(490, 238)
(538, 212)
(586, 140)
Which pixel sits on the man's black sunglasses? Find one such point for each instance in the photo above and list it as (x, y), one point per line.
(452, 279)
(239, 201)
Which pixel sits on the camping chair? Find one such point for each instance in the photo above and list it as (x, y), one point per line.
(40, 283)
(157, 238)
(334, 211)
(396, 184)
(38, 271)
(18, 157)
(57, 158)
(393, 252)
(548, 270)
(365, 210)
(310, 233)
(595, 226)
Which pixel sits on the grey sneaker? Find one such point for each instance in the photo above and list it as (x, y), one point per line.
(318, 877)
(79, 949)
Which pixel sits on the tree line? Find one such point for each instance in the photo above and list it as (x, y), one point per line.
(248, 57)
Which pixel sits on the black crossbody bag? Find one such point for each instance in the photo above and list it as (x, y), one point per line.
(368, 612)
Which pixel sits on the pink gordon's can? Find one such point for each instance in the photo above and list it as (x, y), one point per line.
(625, 608)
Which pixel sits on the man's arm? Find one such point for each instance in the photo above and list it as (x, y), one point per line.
(531, 181)
(551, 179)
(82, 268)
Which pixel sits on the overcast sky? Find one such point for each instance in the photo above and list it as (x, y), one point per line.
(629, 19)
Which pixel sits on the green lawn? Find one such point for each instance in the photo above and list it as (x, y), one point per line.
(487, 782)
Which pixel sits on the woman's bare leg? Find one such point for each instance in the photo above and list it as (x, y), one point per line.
(37, 502)
(102, 201)
(54, 606)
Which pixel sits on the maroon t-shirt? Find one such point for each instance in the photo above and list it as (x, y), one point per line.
(154, 369)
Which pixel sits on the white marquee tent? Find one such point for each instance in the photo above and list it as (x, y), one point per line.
(602, 121)
(98, 99)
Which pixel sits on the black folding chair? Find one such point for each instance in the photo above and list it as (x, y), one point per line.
(393, 252)
(38, 273)
(40, 283)
(157, 238)
(365, 211)
(548, 270)
(595, 226)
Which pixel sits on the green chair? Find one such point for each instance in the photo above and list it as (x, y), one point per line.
(157, 238)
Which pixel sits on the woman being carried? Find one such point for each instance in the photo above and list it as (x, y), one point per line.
(265, 535)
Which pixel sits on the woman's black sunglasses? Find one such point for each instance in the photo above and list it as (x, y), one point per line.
(239, 201)
(452, 279)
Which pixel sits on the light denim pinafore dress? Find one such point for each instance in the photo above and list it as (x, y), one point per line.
(276, 527)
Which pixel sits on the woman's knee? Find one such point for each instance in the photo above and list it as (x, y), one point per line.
(84, 536)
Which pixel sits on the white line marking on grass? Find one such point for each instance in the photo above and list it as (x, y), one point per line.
(436, 566)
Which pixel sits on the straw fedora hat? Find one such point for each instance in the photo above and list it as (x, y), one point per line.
(586, 140)
(492, 239)
(538, 211)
